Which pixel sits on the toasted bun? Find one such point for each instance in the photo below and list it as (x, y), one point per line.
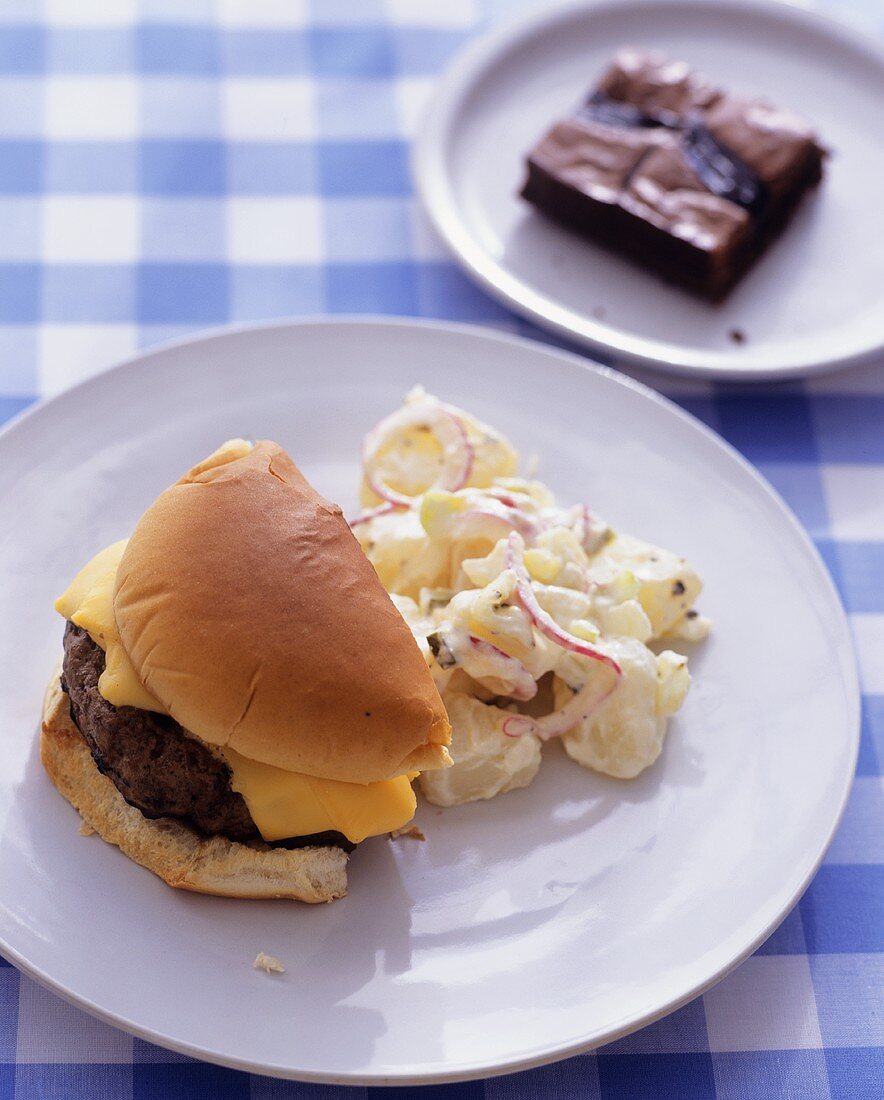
(171, 850)
(250, 612)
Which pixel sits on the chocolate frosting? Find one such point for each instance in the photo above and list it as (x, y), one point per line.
(733, 146)
(660, 87)
(594, 157)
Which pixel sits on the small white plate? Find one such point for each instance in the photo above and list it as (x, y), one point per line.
(523, 929)
(814, 302)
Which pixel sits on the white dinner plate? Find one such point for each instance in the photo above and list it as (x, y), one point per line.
(815, 301)
(526, 928)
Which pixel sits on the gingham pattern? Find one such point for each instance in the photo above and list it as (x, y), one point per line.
(168, 165)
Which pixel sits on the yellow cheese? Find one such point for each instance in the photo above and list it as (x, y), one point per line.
(285, 804)
(282, 803)
(89, 603)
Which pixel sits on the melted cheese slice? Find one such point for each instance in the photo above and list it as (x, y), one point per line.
(89, 603)
(276, 798)
(282, 803)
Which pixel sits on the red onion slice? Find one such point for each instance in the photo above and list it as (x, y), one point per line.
(495, 522)
(503, 496)
(513, 672)
(517, 725)
(595, 690)
(449, 429)
(373, 513)
(544, 622)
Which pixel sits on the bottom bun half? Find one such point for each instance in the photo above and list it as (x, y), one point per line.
(174, 852)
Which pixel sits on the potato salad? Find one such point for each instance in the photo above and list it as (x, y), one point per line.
(537, 620)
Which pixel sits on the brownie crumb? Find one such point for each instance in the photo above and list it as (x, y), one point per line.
(737, 336)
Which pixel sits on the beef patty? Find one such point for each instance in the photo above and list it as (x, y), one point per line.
(155, 764)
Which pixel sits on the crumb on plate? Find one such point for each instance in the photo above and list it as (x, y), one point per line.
(268, 964)
(410, 831)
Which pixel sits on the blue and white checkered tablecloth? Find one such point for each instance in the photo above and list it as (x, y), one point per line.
(166, 165)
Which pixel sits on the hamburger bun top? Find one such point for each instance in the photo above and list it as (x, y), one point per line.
(250, 612)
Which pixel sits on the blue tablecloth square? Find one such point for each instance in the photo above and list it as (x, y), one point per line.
(262, 53)
(850, 427)
(185, 1080)
(65, 1080)
(286, 290)
(768, 426)
(652, 1076)
(104, 51)
(21, 166)
(351, 51)
(258, 168)
(464, 1090)
(843, 910)
(371, 288)
(444, 291)
(19, 293)
(855, 1074)
(871, 745)
(188, 50)
(363, 168)
(169, 293)
(800, 483)
(86, 293)
(182, 167)
(92, 167)
(858, 568)
(23, 49)
(9, 984)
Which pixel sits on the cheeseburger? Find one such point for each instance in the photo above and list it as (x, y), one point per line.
(240, 703)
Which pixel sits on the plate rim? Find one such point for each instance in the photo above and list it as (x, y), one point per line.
(477, 1070)
(432, 184)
